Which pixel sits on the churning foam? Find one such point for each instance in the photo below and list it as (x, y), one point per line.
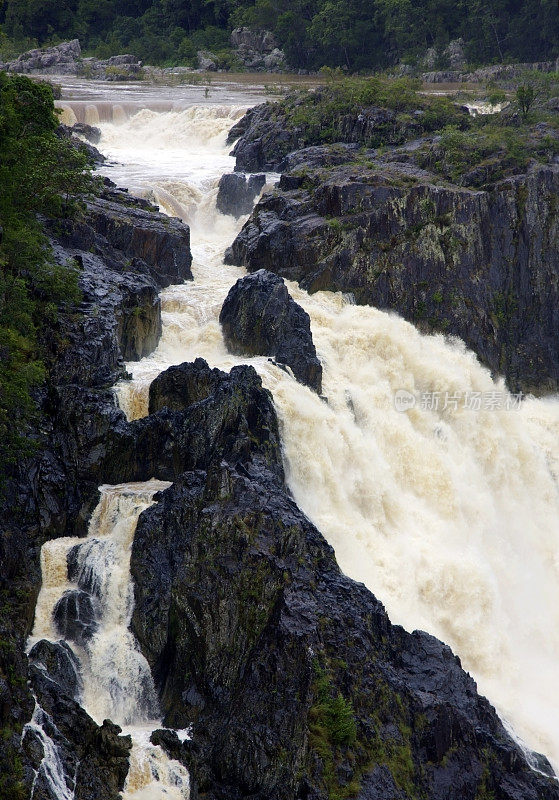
(117, 682)
(450, 515)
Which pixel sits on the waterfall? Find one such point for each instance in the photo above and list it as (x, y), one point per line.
(51, 769)
(448, 512)
(87, 599)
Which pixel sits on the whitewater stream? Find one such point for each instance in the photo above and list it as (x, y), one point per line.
(436, 488)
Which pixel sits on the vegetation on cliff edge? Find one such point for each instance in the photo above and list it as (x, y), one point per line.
(39, 174)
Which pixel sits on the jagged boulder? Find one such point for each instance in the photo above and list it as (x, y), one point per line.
(126, 67)
(207, 61)
(62, 59)
(179, 387)
(89, 132)
(75, 616)
(65, 132)
(92, 759)
(60, 665)
(266, 136)
(454, 52)
(259, 317)
(258, 50)
(237, 193)
(236, 419)
(161, 242)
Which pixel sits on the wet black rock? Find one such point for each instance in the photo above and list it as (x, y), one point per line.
(259, 317)
(179, 387)
(93, 759)
(75, 616)
(94, 156)
(262, 141)
(60, 665)
(53, 492)
(170, 742)
(162, 243)
(235, 420)
(478, 264)
(295, 681)
(89, 564)
(237, 193)
(89, 132)
(266, 135)
(126, 252)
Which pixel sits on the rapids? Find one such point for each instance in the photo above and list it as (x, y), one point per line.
(449, 514)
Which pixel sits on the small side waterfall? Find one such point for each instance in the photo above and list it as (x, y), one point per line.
(87, 601)
(51, 769)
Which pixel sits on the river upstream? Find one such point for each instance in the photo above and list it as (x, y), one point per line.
(449, 514)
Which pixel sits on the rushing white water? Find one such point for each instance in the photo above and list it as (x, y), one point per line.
(450, 514)
(117, 682)
(51, 769)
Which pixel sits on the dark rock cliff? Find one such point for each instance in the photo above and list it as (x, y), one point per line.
(267, 134)
(295, 681)
(479, 264)
(46, 494)
(236, 193)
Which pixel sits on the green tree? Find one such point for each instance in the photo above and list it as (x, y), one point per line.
(39, 172)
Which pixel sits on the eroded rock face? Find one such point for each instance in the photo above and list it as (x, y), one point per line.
(66, 59)
(237, 193)
(60, 664)
(116, 68)
(75, 616)
(89, 132)
(480, 264)
(93, 758)
(265, 137)
(258, 50)
(61, 59)
(54, 491)
(259, 317)
(126, 253)
(161, 242)
(179, 387)
(295, 681)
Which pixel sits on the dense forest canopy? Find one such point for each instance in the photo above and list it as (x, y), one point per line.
(353, 34)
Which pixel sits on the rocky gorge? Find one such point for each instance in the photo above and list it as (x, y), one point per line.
(291, 675)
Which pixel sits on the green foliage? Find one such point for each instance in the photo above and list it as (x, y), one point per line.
(489, 150)
(38, 173)
(331, 727)
(319, 115)
(525, 98)
(354, 34)
(332, 713)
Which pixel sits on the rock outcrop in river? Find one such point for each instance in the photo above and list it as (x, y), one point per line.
(66, 59)
(477, 260)
(259, 317)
